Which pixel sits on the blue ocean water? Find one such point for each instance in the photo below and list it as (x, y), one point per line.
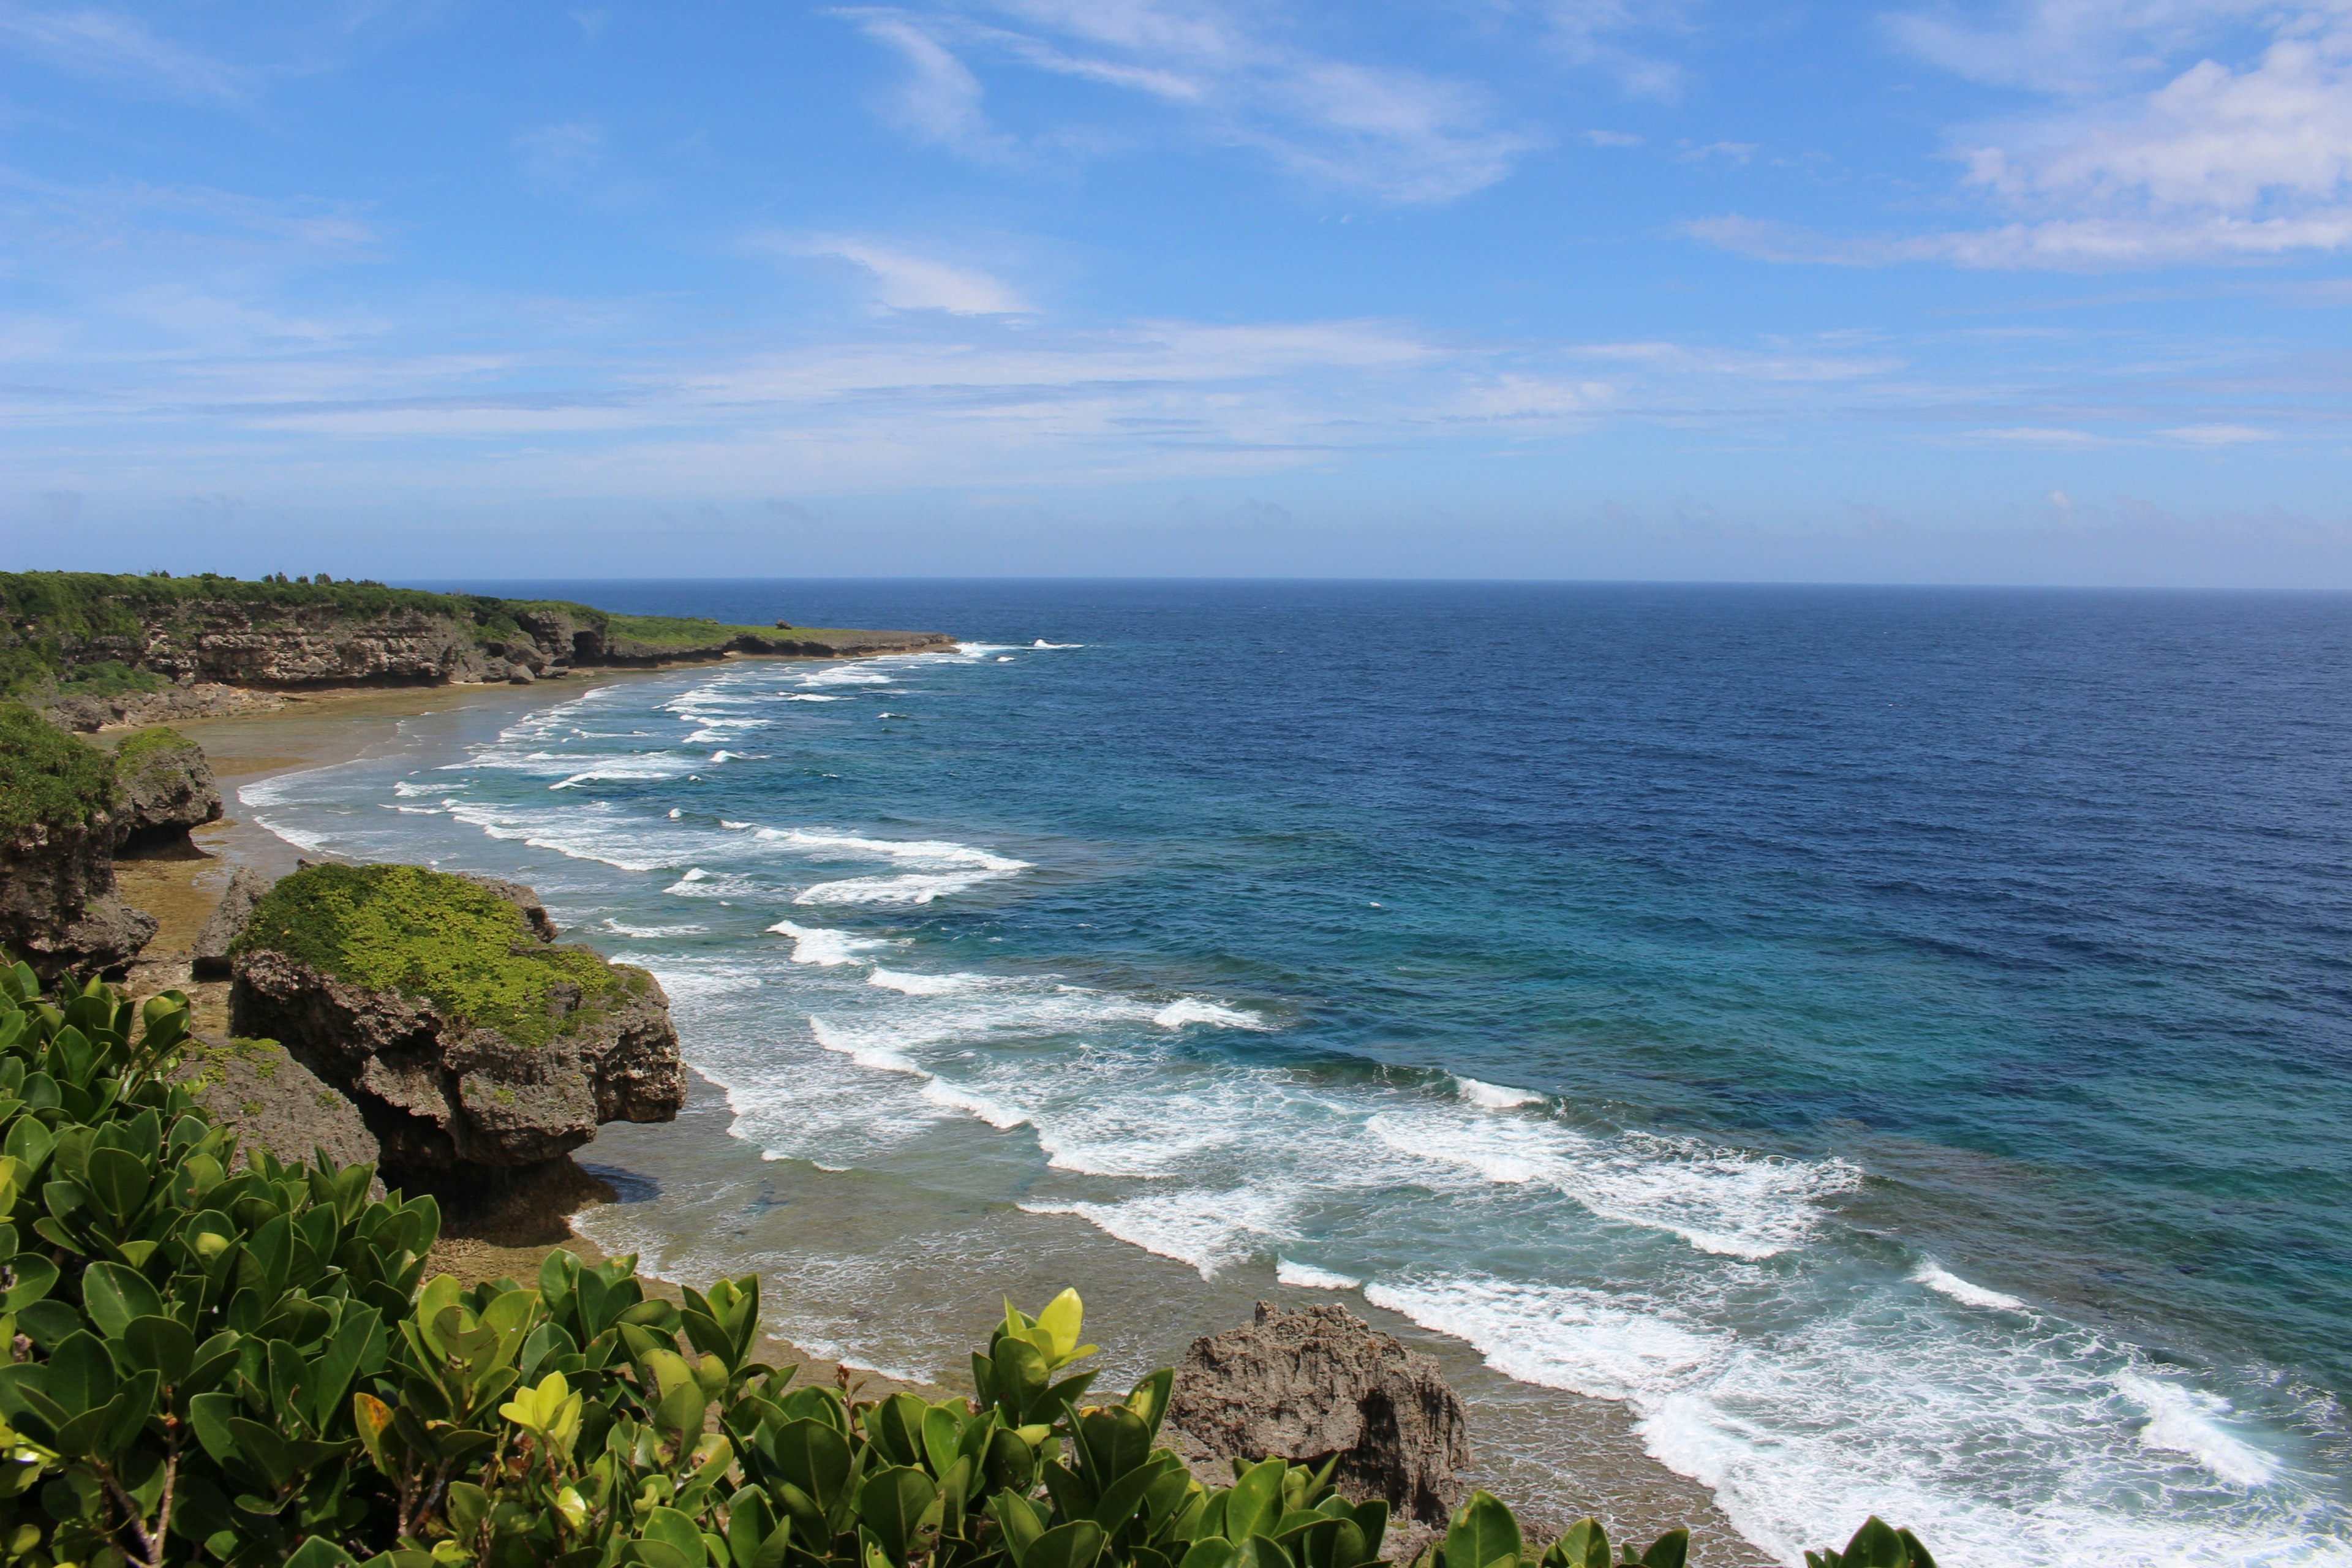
(1898, 1043)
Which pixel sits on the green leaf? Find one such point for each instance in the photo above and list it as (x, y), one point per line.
(892, 1503)
(319, 1552)
(1255, 1503)
(1669, 1550)
(943, 1438)
(166, 1344)
(1212, 1552)
(1073, 1545)
(1484, 1532)
(114, 1295)
(1876, 1545)
(814, 1456)
(669, 1528)
(1586, 1545)
(1018, 1520)
(36, 1277)
(119, 1182)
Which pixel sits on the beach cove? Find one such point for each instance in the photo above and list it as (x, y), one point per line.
(1063, 990)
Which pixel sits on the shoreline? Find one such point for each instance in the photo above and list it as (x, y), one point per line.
(1597, 1439)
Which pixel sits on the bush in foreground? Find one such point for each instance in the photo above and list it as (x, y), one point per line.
(249, 1368)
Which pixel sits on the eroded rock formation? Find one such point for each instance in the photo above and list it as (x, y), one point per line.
(449, 1097)
(166, 789)
(209, 959)
(275, 1103)
(58, 911)
(1310, 1383)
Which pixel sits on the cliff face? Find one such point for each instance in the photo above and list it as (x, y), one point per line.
(100, 649)
(60, 821)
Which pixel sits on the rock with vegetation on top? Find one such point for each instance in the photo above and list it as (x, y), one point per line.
(1314, 1381)
(274, 1102)
(167, 788)
(209, 959)
(471, 1043)
(58, 801)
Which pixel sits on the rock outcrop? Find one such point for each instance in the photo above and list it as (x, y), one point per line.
(209, 959)
(58, 911)
(208, 699)
(530, 1046)
(274, 1102)
(59, 824)
(166, 789)
(1311, 1382)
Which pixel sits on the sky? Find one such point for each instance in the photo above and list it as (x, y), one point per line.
(2032, 291)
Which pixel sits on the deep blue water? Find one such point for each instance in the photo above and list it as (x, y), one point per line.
(1899, 1042)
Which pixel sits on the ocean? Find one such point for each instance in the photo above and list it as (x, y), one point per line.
(1826, 1051)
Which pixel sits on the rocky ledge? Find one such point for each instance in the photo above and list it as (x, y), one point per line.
(479, 1052)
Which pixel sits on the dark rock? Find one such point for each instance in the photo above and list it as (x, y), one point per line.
(226, 923)
(58, 911)
(167, 788)
(275, 1103)
(1315, 1381)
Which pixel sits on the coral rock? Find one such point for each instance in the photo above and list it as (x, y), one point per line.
(1316, 1381)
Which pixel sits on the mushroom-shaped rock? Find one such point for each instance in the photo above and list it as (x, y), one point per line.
(167, 788)
(471, 1043)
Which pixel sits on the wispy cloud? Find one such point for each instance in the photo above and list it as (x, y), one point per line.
(1402, 134)
(905, 282)
(108, 44)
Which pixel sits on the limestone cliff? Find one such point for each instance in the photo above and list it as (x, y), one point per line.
(60, 821)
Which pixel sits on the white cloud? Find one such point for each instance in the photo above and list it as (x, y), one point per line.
(908, 282)
(2168, 132)
(98, 43)
(940, 100)
(1403, 135)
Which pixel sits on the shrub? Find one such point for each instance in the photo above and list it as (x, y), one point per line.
(251, 1369)
(47, 776)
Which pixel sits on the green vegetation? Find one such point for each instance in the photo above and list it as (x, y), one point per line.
(47, 776)
(110, 677)
(251, 1369)
(77, 634)
(433, 936)
(161, 749)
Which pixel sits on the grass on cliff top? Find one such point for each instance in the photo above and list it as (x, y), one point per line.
(47, 776)
(144, 748)
(432, 936)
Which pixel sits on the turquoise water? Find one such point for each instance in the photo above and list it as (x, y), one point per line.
(1893, 1043)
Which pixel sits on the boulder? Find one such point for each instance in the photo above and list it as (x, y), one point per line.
(1311, 1382)
(166, 788)
(226, 923)
(274, 1102)
(473, 1044)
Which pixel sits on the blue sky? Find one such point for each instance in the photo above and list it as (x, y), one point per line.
(2029, 291)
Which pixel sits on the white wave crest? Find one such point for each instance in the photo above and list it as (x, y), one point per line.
(1718, 1200)
(2188, 1421)
(1209, 1230)
(817, 945)
(1936, 1278)
(1194, 1010)
(650, 931)
(908, 984)
(1494, 1097)
(1308, 1277)
(1041, 642)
